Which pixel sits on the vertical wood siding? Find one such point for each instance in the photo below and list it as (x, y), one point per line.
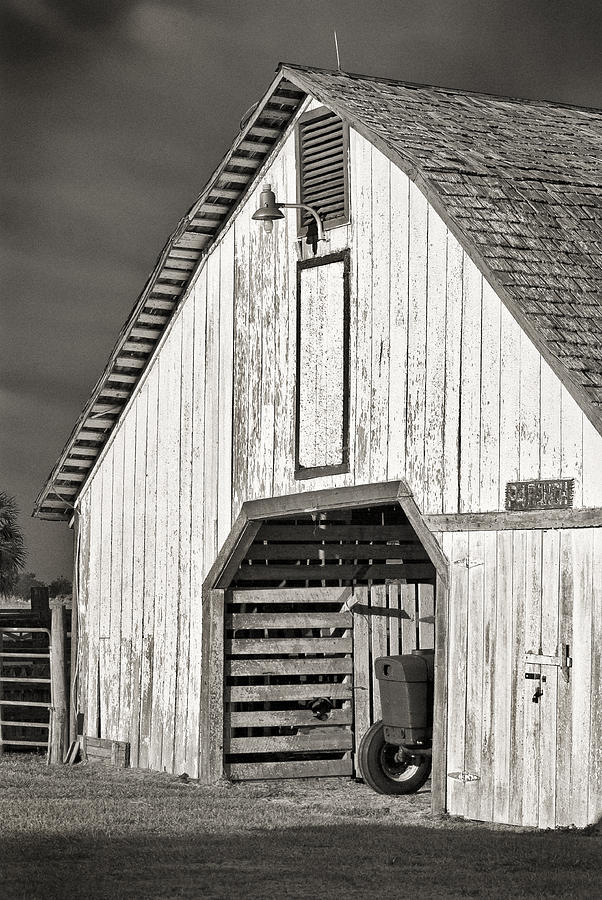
(537, 763)
(445, 391)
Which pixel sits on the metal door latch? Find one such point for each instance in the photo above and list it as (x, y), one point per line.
(562, 660)
(538, 693)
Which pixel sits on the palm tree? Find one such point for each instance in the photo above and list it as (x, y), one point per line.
(12, 549)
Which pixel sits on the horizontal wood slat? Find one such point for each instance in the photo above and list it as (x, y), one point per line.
(303, 769)
(408, 550)
(378, 533)
(289, 620)
(316, 739)
(293, 595)
(273, 718)
(290, 645)
(338, 573)
(333, 666)
(264, 693)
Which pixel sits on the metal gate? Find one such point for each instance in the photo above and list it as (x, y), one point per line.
(288, 683)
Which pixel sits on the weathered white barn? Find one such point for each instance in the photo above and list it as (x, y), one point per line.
(302, 453)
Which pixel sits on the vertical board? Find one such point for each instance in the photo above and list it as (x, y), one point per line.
(197, 548)
(488, 690)
(398, 322)
(381, 329)
(362, 676)
(474, 671)
(378, 640)
(503, 677)
(138, 557)
(150, 543)
(285, 334)
(595, 771)
(184, 541)
(529, 639)
(549, 644)
(361, 164)
(581, 675)
(564, 729)
(125, 723)
(456, 548)
(435, 362)
(453, 343)
(489, 463)
(417, 293)
(470, 389)
(225, 383)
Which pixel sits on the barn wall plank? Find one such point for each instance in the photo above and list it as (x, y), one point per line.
(490, 400)
(470, 388)
(147, 675)
(474, 670)
(418, 298)
(361, 164)
(489, 686)
(225, 382)
(381, 327)
(550, 591)
(138, 557)
(398, 319)
(455, 547)
(285, 331)
(124, 647)
(564, 727)
(503, 677)
(198, 564)
(171, 383)
(362, 675)
(595, 768)
(581, 675)
(435, 361)
(456, 260)
(378, 642)
(184, 513)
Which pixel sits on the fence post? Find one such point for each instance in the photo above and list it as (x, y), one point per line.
(58, 694)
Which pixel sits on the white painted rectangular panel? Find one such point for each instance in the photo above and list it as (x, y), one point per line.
(321, 366)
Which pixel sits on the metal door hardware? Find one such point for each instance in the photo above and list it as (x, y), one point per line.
(535, 675)
(562, 660)
(538, 693)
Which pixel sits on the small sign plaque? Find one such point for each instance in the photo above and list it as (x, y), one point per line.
(554, 493)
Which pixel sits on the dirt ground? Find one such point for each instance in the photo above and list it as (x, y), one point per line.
(94, 832)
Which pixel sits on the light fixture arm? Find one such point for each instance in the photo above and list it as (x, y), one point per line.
(310, 209)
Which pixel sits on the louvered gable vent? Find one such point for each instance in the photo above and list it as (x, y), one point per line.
(322, 147)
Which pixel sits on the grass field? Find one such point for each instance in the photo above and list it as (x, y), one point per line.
(95, 832)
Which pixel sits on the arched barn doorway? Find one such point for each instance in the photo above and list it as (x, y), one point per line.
(306, 593)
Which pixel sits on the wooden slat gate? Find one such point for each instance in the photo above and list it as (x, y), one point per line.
(287, 650)
(299, 688)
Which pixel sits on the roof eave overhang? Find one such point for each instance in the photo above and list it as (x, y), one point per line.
(180, 259)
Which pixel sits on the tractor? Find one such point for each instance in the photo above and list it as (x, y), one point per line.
(395, 754)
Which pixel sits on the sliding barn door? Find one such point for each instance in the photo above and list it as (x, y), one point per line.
(288, 683)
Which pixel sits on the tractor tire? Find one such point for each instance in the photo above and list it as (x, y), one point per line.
(387, 768)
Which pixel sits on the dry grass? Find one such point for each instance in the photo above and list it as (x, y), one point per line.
(95, 832)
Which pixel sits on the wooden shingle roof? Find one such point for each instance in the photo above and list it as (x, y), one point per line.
(519, 183)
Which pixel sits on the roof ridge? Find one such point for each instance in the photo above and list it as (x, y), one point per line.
(440, 88)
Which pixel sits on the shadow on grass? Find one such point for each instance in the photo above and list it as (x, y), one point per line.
(340, 860)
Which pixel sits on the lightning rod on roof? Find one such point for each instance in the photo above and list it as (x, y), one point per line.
(336, 47)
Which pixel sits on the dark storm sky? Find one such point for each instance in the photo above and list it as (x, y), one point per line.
(116, 111)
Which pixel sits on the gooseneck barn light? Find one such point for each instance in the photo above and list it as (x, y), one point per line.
(270, 210)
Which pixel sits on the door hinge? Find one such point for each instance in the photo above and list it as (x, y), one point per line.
(464, 776)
